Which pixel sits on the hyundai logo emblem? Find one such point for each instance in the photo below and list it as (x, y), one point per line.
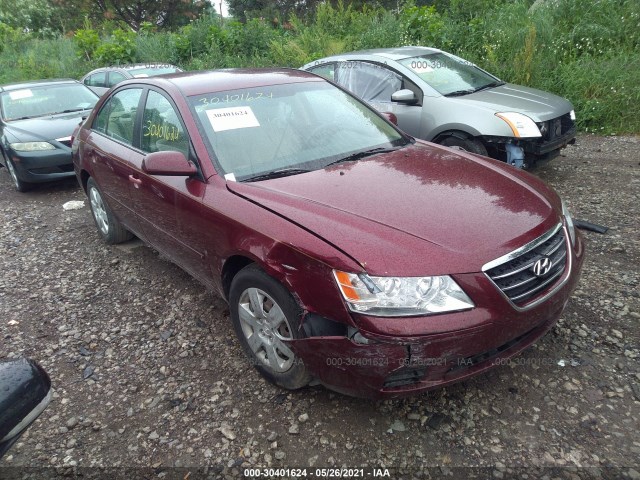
(542, 267)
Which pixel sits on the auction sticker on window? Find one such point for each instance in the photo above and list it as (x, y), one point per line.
(232, 118)
(19, 94)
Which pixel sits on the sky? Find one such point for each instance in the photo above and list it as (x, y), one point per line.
(225, 8)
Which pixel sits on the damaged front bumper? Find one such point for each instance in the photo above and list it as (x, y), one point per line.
(376, 365)
(557, 135)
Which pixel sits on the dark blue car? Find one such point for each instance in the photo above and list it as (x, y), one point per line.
(37, 120)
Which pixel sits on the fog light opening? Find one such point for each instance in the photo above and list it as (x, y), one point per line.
(355, 336)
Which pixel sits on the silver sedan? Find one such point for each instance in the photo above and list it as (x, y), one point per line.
(445, 99)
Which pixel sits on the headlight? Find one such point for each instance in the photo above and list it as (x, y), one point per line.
(570, 226)
(31, 146)
(572, 115)
(401, 296)
(521, 125)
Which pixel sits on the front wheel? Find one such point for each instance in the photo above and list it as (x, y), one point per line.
(109, 228)
(464, 144)
(20, 185)
(265, 316)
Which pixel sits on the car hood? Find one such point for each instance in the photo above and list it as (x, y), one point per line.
(45, 128)
(536, 104)
(421, 210)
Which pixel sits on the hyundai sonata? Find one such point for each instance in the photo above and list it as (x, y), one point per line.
(350, 253)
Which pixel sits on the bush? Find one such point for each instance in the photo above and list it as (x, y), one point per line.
(87, 41)
(585, 51)
(120, 48)
(39, 59)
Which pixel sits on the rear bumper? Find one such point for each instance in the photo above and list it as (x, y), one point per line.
(391, 367)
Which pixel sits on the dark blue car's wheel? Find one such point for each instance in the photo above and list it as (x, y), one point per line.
(20, 185)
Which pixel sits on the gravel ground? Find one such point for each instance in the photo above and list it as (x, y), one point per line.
(147, 372)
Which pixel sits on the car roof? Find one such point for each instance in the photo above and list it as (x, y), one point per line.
(35, 83)
(131, 66)
(145, 65)
(397, 53)
(198, 83)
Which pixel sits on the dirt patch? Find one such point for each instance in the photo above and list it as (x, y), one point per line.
(147, 371)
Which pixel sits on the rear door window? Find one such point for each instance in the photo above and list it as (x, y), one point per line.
(327, 71)
(115, 78)
(370, 82)
(96, 80)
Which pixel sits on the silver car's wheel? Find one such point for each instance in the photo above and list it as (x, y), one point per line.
(265, 327)
(99, 211)
(109, 228)
(464, 144)
(20, 185)
(266, 318)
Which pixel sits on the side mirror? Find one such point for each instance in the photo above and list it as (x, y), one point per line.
(25, 391)
(404, 96)
(168, 163)
(390, 116)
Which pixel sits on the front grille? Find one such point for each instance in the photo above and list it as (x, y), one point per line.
(516, 276)
(55, 169)
(556, 127)
(407, 376)
(468, 362)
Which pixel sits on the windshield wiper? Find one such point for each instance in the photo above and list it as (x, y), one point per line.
(365, 153)
(459, 93)
(26, 117)
(71, 110)
(282, 172)
(469, 91)
(490, 85)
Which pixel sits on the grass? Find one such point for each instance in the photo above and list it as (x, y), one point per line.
(587, 52)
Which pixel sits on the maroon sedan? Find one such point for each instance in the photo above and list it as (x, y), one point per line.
(349, 253)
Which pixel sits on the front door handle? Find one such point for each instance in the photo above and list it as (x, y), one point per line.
(136, 181)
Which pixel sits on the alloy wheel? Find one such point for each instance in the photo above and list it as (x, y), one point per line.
(13, 174)
(265, 328)
(99, 211)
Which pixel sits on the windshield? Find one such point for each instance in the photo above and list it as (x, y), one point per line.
(449, 74)
(294, 128)
(152, 71)
(39, 101)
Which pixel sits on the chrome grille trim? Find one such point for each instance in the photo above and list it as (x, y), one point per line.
(562, 273)
(522, 250)
(538, 287)
(529, 265)
(65, 140)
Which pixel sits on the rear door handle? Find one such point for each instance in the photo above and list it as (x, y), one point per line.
(136, 181)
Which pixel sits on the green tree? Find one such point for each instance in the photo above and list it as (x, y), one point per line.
(279, 10)
(28, 15)
(133, 13)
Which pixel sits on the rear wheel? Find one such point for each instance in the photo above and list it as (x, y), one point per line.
(109, 228)
(465, 144)
(265, 316)
(20, 185)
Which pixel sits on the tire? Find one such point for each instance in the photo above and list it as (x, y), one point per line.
(254, 297)
(467, 145)
(20, 185)
(109, 228)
